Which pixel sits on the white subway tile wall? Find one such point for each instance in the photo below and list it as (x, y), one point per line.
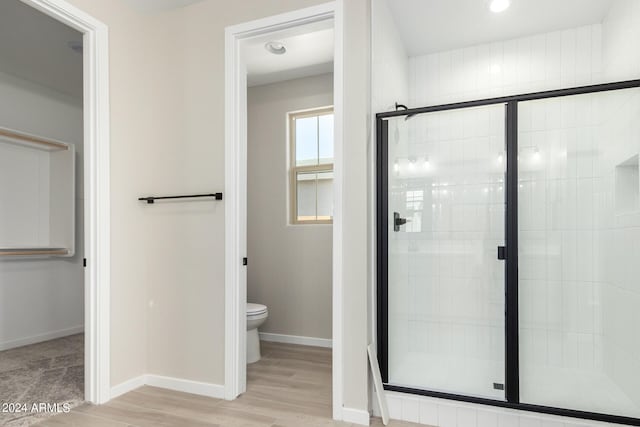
(567, 58)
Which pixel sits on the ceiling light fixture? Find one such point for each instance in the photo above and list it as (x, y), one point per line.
(276, 48)
(497, 6)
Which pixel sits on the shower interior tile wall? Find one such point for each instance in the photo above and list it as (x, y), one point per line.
(565, 58)
(579, 271)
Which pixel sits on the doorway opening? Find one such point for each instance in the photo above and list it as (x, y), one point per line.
(276, 109)
(54, 262)
(290, 137)
(42, 204)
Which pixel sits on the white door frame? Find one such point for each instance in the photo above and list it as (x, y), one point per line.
(236, 192)
(96, 191)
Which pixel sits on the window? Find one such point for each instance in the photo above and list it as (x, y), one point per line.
(311, 166)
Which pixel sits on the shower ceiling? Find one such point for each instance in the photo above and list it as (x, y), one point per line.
(428, 26)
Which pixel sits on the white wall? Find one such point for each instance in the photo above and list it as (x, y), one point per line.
(356, 228)
(167, 136)
(389, 60)
(42, 299)
(294, 281)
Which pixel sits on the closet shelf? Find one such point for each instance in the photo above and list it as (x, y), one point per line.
(33, 251)
(38, 209)
(19, 138)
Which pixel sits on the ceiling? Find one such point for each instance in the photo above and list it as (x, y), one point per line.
(309, 53)
(35, 47)
(428, 26)
(158, 5)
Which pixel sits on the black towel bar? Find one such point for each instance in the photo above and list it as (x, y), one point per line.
(152, 199)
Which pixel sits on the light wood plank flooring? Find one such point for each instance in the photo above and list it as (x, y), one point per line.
(289, 387)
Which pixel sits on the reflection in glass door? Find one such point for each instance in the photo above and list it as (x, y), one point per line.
(446, 219)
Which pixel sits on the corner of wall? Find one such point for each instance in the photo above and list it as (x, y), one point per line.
(355, 201)
(356, 416)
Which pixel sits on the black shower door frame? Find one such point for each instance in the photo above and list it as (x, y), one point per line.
(512, 349)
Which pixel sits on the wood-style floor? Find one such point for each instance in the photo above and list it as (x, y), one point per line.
(289, 387)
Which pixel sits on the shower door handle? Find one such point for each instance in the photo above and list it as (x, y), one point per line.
(397, 221)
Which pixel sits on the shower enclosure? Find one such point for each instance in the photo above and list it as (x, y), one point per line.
(508, 251)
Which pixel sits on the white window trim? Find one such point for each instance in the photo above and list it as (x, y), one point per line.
(294, 170)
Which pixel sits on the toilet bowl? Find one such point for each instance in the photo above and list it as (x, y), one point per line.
(256, 316)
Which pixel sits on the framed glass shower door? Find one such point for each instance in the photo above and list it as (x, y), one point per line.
(506, 251)
(444, 205)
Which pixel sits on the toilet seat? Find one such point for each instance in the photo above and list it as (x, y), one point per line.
(255, 309)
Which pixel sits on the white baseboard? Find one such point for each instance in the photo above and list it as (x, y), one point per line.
(294, 339)
(355, 416)
(169, 383)
(34, 339)
(187, 386)
(128, 386)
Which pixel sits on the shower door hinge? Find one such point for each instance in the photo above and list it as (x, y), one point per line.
(502, 252)
(245, 261)
(84, 262)
(498, 386)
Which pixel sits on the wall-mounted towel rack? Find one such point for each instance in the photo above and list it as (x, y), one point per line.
(152, 199)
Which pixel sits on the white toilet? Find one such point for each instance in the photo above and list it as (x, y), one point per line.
(256, 315)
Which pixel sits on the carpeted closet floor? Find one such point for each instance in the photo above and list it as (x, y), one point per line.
(48, 372)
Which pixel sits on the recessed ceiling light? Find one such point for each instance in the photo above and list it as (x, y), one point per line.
(497, 6)
(276, 48)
